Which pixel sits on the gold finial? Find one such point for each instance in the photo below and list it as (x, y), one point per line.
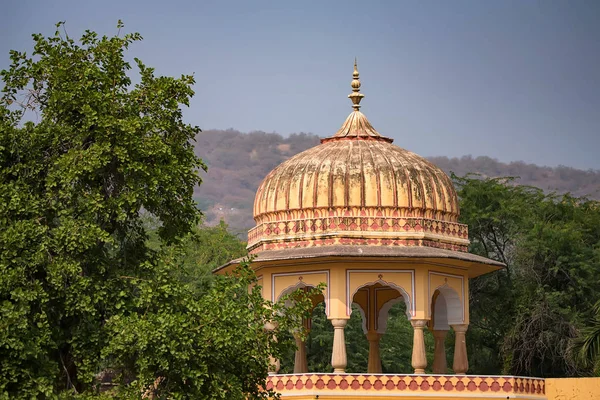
(356, 96)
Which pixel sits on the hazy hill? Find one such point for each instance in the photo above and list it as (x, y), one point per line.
(237, 162)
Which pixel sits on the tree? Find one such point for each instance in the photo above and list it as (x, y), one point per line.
(204, 249)
(212, 346)
(85, 157)
(559, 264)
(495, 210)
(525, 318)
(587, 345)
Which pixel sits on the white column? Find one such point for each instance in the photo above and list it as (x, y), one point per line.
(461, 362)
(419, 357)
(338, 356)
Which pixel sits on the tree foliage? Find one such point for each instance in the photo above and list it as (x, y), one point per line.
(86, 156)
(525, 318)
(212, 345)
(204, 249)
(587, 346)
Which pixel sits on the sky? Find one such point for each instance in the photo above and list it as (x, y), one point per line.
(512, 80)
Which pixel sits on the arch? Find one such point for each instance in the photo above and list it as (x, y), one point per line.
(286, 282)
(290, 289)
(301, 285)
(446, 308)
(382, 317)
(400, 289)
(363, 317)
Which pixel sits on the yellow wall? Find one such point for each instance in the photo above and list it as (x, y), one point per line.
(573, 388)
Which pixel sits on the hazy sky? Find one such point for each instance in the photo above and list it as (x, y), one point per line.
(513, 80)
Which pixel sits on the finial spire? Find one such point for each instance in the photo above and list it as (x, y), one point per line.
(356, 96)
(356, 126)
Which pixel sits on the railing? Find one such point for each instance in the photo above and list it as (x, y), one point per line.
(458, 386)
(309, 227)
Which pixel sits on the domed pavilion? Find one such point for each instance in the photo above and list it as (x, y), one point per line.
(378, 225)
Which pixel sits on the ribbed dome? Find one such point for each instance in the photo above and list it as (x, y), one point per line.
(356, 187)
(365, 173)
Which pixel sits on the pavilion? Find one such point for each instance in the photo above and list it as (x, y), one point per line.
(378, 225)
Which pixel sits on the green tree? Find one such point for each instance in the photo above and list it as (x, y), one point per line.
(587, 345)
(525, 318)
(85, 157)
(495, 211)
(212, 346)
(72, 186)
(558, 270)
(208, 248)
(204, 249)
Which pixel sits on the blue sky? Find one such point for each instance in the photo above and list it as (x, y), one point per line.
(513, 80)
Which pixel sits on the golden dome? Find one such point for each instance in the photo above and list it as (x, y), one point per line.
(356, 187)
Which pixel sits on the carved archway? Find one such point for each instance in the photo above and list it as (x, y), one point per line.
(446, 308)
(403, 294)
(301, 285)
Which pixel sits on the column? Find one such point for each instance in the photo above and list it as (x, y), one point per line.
(461, 363)
(439, 355)
(419, 357)
(300, 361)
(273, 362)
(338, 356)
(374, 365)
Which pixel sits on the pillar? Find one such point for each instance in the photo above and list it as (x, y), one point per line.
(439, 356)
(461, 363)
(374, 365)
(338, 356)
(300, 361)
(273, 362)
(419, 357)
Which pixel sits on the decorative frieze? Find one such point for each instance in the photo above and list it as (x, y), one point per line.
(359, 230)
(449, 385)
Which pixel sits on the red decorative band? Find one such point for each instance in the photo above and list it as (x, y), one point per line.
(469, 385)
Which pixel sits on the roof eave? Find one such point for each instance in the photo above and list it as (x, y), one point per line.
(476, 265)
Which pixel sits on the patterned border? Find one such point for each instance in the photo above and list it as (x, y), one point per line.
(294, 244)
(467, 385)
(308, 230)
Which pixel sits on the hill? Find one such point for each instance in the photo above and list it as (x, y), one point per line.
(237, 162)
